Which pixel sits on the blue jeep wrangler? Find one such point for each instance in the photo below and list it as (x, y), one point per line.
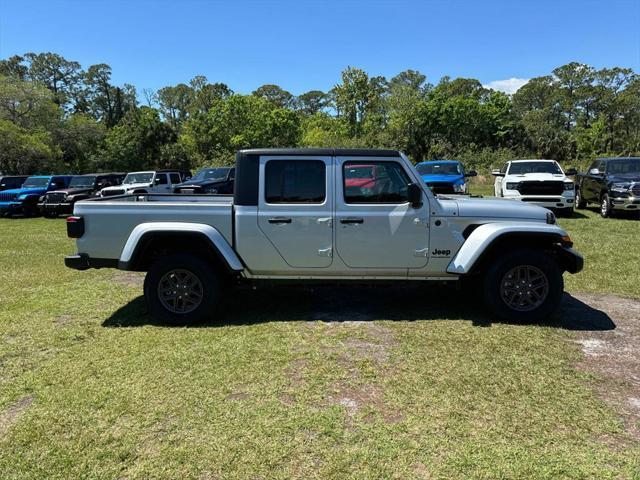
(24, 200)
(445, 176)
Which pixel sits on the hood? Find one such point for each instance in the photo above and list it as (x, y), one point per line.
(199, 183)
(127, 186)
(73, 191)
(500, 208)
(624, 177)
(31, 191)
(537, 176)
(439, 177)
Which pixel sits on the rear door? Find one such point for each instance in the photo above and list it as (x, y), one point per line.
(376, 227)
(295, 208)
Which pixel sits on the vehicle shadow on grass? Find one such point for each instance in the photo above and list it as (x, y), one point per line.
(417, 302)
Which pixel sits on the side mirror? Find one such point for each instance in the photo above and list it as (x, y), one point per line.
(471, 173)
(497, 173)
(414, 192)
(571, 172)
(594, 171)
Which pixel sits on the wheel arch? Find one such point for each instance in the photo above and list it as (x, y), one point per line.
(149, 241)
(489, 240)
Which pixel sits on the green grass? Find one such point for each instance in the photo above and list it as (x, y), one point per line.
(426, 387)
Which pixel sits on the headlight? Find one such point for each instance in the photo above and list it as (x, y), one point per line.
(23, 196)
(460, 188)
(512, 185)
(620, 187)
(569, 186)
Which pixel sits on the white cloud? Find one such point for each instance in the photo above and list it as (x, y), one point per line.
(509, 85)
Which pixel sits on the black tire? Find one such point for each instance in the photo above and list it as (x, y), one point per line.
(50, 215)
(164, 270)
(497, 282)
(605, 206)
(580, 201)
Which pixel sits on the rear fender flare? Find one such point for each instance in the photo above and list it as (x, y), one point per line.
(218, 242)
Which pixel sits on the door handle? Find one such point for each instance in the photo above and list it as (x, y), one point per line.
(279, 220)
(351, 220)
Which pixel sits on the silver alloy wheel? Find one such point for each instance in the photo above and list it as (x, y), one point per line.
(604, 207)
(180, 291)
(524, 288)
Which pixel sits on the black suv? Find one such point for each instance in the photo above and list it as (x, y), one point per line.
(81, 187)
(8, 182)
(218, 180)
(613, 183)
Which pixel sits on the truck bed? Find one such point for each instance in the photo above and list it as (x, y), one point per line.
(110, 220)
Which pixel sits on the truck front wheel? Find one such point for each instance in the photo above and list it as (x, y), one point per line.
(181, 289)
(523, 285)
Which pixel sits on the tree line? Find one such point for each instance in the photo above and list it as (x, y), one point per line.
(56, 116)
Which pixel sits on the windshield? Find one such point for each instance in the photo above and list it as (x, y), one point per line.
(359, 171)
(211, 174)
(35, 182)
(435, 168)
(138, 178)
(622, 166)
(82, 181)
(521, 168)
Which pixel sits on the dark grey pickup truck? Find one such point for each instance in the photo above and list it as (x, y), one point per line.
(612, 183)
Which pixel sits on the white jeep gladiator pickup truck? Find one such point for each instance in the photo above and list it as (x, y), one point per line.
(295, 216)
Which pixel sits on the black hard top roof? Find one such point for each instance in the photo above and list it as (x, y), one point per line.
(617, 158)
(323, 152)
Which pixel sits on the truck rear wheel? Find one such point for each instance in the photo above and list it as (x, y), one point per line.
(181, 289)
(523, 285)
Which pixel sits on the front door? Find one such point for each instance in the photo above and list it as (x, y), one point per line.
(295, 209)
(376, 227)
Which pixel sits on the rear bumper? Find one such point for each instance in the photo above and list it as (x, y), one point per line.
(82, 261)
(57, 208)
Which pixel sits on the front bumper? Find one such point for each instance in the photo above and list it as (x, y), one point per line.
(625, 203)
(546, 201)
(10, 207)
(64, 208)
(82, 261)
(572, 261)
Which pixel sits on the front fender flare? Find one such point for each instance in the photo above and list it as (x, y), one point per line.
(485, 235)
(215, 237)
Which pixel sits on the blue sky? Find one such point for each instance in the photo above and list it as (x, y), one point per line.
(304, 45)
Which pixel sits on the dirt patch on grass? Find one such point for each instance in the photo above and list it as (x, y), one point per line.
(13, 413)
(613, 354)
(129, 279)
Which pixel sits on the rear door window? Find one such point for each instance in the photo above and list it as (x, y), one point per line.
(295, 181)
(175, 178)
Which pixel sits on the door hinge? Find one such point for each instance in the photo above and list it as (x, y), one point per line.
(422, 252)
(325, 252)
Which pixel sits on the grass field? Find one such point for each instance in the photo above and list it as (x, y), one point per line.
(358, 383)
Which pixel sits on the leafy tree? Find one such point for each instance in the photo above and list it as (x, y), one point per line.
(276, 95)
(24, 151)
(312, 102)
(137, 142)
(63, 77)
(108, 103)
(175, 103)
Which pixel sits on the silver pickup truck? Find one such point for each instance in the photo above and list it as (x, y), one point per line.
(324, 214)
